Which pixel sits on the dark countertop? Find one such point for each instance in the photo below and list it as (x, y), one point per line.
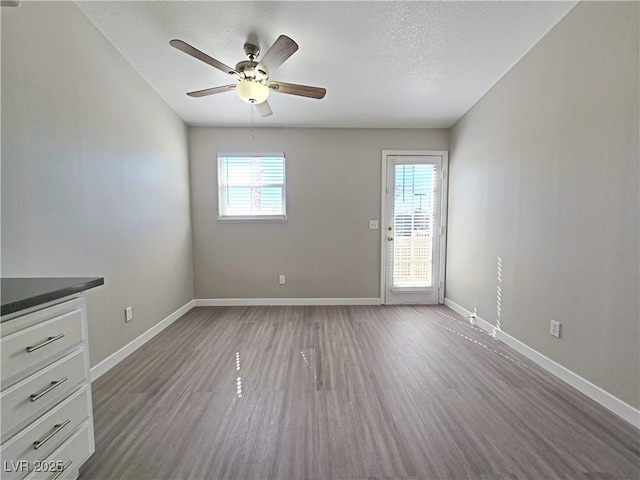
(20, 293)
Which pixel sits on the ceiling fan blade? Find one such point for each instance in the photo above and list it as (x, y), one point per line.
(282, 49)
(211, 91)
(264, 109)
(195, 53)
(301, 90)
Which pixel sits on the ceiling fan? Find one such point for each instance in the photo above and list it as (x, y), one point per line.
(253, 76)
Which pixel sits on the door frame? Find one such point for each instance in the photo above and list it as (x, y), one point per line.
(443, 216)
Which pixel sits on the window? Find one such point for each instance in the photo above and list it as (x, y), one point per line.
(414, 198)
(251, 187)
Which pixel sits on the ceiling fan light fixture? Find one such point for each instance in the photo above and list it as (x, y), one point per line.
(253, 76)
(252, 92)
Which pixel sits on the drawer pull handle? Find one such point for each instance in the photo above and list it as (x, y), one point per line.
(60, 472)
(56, 428)
(35, 396)
(49, 340)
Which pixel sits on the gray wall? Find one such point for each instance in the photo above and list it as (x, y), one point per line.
(544, 175)
(94, 173)
(325, 249)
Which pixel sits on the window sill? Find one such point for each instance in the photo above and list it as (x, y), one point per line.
(252, 219)
(399, 289)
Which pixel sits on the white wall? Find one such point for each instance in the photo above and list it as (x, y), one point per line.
(544, 176)
(325, 249)
(94, 173)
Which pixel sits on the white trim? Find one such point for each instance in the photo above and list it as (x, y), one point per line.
(253, 218)
(604, 398)
(607, 400)
(483, 324)
(383, 230)
(250, 154)
(115, 358)
(444, 223)
(111, 361)
(241, 302)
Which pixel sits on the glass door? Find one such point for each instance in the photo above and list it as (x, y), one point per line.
(412, 229)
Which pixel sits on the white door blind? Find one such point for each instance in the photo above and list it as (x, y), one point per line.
(251, 187)
(414, 199)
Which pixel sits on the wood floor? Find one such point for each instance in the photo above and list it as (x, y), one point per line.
(342, 393)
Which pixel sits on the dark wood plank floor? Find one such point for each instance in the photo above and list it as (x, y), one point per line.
(344, 393)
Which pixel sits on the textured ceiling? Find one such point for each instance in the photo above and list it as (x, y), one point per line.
(384, 64)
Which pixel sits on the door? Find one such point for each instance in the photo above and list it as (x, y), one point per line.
(413, 227)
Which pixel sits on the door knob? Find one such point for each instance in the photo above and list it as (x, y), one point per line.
(389, 228)
(390, 239)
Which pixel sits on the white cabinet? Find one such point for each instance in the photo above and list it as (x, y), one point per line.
(45, 392)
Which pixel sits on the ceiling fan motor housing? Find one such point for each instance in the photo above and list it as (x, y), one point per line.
(248, 68)
(251, 50)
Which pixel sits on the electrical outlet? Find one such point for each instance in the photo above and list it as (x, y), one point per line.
(554, 328)
(281, 279)
(128, 314)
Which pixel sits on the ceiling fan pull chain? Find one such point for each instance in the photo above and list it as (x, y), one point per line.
(253, 137)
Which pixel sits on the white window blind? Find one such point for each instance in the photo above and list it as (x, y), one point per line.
(412, 223)
(251, 187)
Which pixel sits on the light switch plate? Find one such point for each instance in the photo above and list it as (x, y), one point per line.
(373, 224)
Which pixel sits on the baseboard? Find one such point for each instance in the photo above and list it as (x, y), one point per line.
(483, 324)
(457, 308)
(115, 358)
(612, 403)
(112, 360)
(241, 302)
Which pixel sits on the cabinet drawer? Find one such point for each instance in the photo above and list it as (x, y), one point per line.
(68, 458)
(50, 430)
(35, 344)
(39, 391)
